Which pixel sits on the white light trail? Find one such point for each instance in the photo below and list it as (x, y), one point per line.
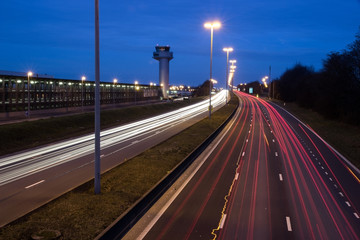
(29, 162)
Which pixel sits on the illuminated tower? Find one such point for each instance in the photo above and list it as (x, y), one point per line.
(164, 56)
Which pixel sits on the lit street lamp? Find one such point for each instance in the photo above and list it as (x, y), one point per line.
(227, 50)
(29, 74)
(135, 88)
(83, 78)
(232, 70)
(115, 81)
(212, 26)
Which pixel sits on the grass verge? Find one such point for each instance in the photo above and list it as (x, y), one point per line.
(30, 134)
(79, 214)
(342, 136)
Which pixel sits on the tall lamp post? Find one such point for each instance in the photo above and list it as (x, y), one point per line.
(83, 78)
(227, 50)
(29, 74)
(232, 67)
(211, 26)
(97, 185)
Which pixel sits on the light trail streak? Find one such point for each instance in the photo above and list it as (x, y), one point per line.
(23, 164)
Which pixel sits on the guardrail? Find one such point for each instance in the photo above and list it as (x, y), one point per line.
(128, 219)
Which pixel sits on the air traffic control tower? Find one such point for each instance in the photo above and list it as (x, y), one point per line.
(164, 55)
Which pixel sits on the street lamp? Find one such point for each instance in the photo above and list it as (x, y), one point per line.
(83, 78)
(211, 26)
(227, 50)
(29, 74)
(232, 69)
(135, 88)
(115, 81)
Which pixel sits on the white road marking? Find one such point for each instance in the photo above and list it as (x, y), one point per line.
(347, 203)
(32, 185)
(288, 223)
(356, 215)
(276, 154)
(168, 203)
(247, 140)
(280, 176)
(102, 156)
(326, 173)
(330, 179)
(273, 140)
(341, 194)
(243, 154)
(236, 176)
(222, 221)
(249, 131)
(335, 186)
(322, 167)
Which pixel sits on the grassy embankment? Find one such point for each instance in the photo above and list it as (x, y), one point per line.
(80, 214)
(30, 134)
(343, 137)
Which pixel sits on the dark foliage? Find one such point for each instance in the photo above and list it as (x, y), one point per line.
(334, 92)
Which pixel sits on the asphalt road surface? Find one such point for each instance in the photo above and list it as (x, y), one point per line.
(267, 176)
(31, 178)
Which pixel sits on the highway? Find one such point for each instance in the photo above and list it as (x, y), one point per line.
(31, 178)
(266, 176)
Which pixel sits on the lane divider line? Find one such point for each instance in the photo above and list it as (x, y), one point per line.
(32, 185)
(288, 223)
(280, 176)
(222, 221)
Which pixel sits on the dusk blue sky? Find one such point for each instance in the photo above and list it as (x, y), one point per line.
(57, 37)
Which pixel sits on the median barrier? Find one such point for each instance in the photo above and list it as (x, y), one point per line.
(128, 219)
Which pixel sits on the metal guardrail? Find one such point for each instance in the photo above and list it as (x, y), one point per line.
(127, 220)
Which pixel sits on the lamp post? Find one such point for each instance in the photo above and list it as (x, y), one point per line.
(135, 87)
(29, 74)
(83, 78)
(97, 185)
(227, 50)
(211, 26)
(232, 67)
(115, 81)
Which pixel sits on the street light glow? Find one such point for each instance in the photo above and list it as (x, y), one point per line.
(29, 74)
(228, 49)
(115, 80)
(214, 25)
(136, 82)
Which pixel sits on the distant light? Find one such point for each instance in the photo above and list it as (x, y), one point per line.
(228, 49)
(232, 61)
(115, 80)
(232, 67)
(29, 74)
(136, 82)
(83, 78)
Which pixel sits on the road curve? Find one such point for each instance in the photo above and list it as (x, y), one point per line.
(31, 178)
(267, 176)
